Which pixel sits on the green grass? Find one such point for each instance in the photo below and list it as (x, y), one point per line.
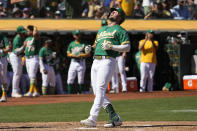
(158, 109)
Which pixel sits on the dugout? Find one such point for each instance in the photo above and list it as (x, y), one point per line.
(165, 72)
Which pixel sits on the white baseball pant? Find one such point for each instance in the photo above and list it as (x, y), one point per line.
(120, 69)
(115, 79)
(16, 63)
(59, 86)
(3, 70)
(101, 73)
(49, 78)
(76, 68)
(147, 71)
(32, 66)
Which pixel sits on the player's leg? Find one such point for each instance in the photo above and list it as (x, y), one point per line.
(94, 71)
(115, 81)
(72, 72)
(32, 68)
(59, 86)
(151, 76)
(52, 80)
(3, 75)
(45, 80)
(32, 75)
(81, 73)
(143, 73)
(121, 68)
(104, 74)
(17, 70)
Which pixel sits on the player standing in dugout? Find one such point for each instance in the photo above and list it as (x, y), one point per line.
(32, 60)
(4, 49)
(110, 40)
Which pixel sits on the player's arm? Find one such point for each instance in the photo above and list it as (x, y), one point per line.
(123, 40)
(41, 61)
(35, 33)
(7, 46)
(155, 44)
(84, 55)
(142, 43)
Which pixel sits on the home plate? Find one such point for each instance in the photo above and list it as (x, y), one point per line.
(86, 128)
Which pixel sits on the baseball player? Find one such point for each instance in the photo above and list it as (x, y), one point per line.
(148, 47)
(76, 51)
(110, 40)
(58, 78)
(46, 68)
(32, 60)
(120, 69)
(4, 49)
(16, 60)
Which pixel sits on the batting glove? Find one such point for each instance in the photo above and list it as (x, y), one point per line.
(106, 45)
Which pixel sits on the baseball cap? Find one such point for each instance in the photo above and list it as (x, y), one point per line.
(122, 14)
(15, 9)
(150, 31)
(57, 12)
(76, 32)
(48, 41)
(25, 9)
(104, 22)
(21, 29)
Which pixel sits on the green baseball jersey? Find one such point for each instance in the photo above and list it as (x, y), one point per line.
(115, 35)
(76, 48)
(46, 55)
(17, 42)
(3, 43)
(32, 47)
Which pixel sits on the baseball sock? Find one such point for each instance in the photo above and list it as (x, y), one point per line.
(80, 88)
(44, 90)
(111, 113)
(31, 87)
(35, 89)
(4, 91)
(69, 87)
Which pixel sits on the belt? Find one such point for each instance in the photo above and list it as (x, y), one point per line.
(101, 57)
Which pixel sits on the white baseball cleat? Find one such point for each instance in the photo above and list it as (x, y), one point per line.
(3, 99)
(36, 94)
(114, 123)
(28, 94)
(88, 122)
(16, 95)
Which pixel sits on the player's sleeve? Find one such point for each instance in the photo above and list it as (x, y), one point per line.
(156, 43)
(6, 41)
(123, 37)
(41, 62)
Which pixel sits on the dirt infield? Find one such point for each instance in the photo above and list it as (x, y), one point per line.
(75, 126)
(127, 126)
(89, 97)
